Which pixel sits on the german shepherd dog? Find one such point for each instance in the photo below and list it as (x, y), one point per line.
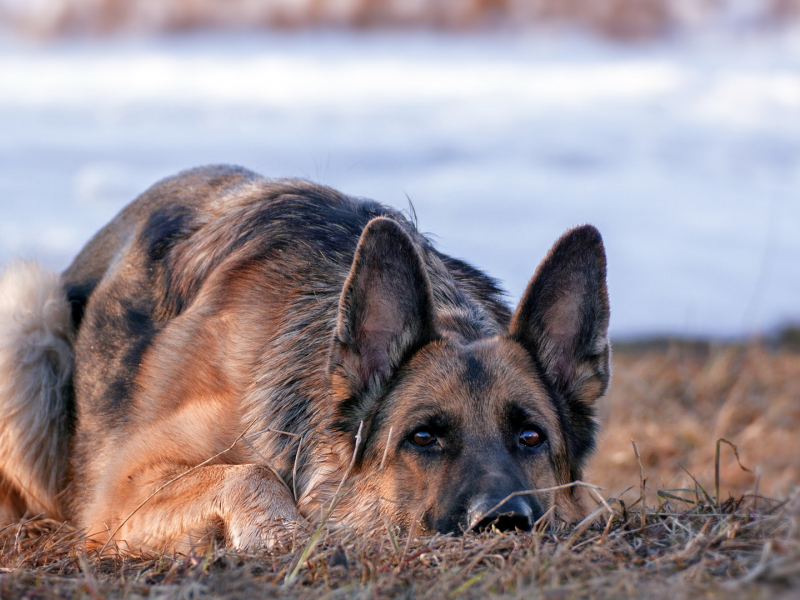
(230, 349)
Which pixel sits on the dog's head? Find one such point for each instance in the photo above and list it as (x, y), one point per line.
(454, 433)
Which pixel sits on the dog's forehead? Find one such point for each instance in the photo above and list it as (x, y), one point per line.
(474, 380)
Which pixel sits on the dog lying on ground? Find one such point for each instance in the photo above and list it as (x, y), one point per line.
(229, 349)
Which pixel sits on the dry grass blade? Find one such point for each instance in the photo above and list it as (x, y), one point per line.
(706, 495)
(666, 493)
(386, 449)
(312, 543)
(716, 465)
(294, 468)
(642, 489)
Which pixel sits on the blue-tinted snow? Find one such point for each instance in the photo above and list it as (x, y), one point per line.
(685, 155)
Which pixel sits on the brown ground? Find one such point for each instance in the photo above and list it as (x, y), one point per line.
(674, 400)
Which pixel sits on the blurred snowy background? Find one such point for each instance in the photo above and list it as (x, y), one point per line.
(674, 126)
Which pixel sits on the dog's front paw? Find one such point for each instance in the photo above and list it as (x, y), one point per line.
(266, 533)
(260, 510)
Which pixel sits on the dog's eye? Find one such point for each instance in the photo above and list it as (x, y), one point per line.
(531, 437)
(423, 438)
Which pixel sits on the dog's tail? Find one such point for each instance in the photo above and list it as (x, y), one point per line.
(36, 399)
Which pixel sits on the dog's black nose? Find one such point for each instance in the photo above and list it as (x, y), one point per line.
(515, 513)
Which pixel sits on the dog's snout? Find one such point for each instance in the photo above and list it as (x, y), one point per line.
(514, 513)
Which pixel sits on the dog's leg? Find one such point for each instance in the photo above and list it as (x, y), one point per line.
(169, 509)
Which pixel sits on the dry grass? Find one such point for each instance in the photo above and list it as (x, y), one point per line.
(614, 18)
(673, 401)
(677, 400)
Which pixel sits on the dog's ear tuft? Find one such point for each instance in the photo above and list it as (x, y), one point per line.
(562, 318)
(385, 314)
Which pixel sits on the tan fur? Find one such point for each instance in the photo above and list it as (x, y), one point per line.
(183, 421)
(399, 490)
(246, 502)
(234, 333)
(35, 367)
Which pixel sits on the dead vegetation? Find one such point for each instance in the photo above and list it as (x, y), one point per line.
(622, 19)
(739, 538)
(677, 399)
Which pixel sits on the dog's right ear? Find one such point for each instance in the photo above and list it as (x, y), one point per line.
(385, 315)
(562, 318)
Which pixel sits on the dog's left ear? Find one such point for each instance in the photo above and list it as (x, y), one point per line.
(385, 315)
(562, 318)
